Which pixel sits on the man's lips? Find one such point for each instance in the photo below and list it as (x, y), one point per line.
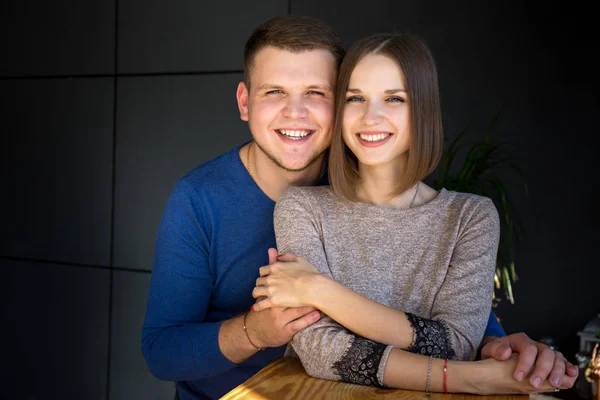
(295, 133)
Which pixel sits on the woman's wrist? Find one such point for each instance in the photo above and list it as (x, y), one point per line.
(318, 288)
(464, 377)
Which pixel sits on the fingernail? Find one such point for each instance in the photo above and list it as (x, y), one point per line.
(520, 376)
(556, 380)
(251, 308)
(536, 382)
(279, 255)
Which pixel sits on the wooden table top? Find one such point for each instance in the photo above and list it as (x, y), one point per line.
(285, 378)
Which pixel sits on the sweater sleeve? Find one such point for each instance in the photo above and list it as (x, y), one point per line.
(493, 327)
(326, 349)
(463, 303)
(177, 343)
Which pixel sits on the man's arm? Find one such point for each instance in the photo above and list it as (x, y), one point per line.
(177, 341)
(265, 329)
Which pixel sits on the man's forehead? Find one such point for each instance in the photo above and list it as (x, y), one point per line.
(273, 66)
(318, 60)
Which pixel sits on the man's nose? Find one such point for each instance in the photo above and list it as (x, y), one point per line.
(295, 108)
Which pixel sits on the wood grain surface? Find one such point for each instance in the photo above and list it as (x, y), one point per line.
(285, 378)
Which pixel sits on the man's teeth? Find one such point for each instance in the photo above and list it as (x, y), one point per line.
(373, 138)
(294, 134)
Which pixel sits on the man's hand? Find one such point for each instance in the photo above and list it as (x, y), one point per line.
(277, 327)
(535, 358)
(269, 328)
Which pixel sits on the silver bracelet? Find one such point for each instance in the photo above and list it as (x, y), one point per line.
(429, 374)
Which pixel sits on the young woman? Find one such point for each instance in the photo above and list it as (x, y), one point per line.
(402, 272)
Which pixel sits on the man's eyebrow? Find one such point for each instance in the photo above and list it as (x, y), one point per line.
(325, 88)
(389, 91)
(269, 86)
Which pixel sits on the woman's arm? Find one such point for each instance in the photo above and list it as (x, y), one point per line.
(406, 370)
(293, 281)
(459, 312)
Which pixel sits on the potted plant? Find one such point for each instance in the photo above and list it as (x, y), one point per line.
(484, 164)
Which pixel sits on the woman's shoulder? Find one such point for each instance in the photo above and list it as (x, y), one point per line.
(308, 193)
(474, 203)
(308, 198)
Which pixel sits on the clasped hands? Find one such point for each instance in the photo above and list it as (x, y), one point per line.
(292, 282)
(289, 282)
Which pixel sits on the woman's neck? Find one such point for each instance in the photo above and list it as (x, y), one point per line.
(378, 183)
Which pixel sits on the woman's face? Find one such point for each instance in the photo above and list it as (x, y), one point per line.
(376, 123)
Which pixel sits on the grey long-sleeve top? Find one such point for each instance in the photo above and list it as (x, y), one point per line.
(435, 262)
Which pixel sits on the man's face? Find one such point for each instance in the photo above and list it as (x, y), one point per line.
(289, 107)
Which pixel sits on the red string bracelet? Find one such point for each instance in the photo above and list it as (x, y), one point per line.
(445, 375)
(248, 336)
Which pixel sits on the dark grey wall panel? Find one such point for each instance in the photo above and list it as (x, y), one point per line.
(55, 331)
(181, 35)
(57, 169)
(62, 37)
(166, 126)
(478, 53)
(129, 375)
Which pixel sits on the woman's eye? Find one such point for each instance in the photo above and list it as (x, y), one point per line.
(354, 99)
(395, 99)
(316, 93)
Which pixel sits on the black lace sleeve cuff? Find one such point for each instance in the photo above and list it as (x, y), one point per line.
(431, 338)
(360, 363)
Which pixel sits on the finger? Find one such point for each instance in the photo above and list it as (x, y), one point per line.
(568, 382)
(264, 271)
(259, 291)
(306, 320)
(497, 350)
(528, 352)
(261, 281)
(572, 370)
(272, 255)
(262, 305)
(558, 370)
(287, 257)
(293, 313)
(543, 366)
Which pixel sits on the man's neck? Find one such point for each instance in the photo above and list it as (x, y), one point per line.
(274, 180)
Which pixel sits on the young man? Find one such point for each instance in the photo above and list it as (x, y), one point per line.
(218, 224)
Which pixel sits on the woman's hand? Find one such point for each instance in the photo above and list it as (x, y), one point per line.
(496, 377)
(287, 283)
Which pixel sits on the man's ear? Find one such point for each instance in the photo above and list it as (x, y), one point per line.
(242, 100)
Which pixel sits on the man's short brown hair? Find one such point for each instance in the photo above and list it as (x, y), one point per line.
(293, 33)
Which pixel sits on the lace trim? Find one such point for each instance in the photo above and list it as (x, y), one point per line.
(431, 338)
(360, 363)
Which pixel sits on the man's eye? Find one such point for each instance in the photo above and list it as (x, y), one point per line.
(316, 93)
(275, 91)
(395, 99)
(354, 99)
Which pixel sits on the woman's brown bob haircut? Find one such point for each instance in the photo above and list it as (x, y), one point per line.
(416, 62)
(293, 33)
